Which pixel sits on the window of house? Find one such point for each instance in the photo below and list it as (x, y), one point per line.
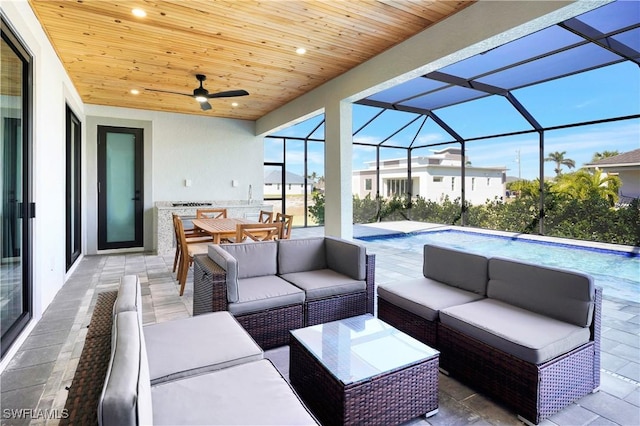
(396, 187)
(367, 184)
(453, 183)
(473, 184)
(437, 178)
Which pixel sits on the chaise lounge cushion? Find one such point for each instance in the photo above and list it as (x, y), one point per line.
(527, 335)
(126, 394)
(191, 346)
(425, 297)
(265, 292)
(564, 295)
(213, 398)
(456, 268)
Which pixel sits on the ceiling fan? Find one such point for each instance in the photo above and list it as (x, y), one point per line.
(202, 95)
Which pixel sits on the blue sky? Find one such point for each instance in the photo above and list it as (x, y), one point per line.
(607, 92)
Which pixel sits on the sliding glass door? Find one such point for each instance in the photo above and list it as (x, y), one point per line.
(16, 208)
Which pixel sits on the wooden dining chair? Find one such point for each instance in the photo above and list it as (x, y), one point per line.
(287, 224)
(191, 236)
(257, 232)
(187, 251)
(211, 213)
(265, 217)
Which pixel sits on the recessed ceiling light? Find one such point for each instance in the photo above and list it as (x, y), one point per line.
(135, 92)
(139, 13)
(301, 50)
(234, 104)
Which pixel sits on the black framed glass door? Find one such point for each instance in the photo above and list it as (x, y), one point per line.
(120, 195)
(73, 185)
(16, 207)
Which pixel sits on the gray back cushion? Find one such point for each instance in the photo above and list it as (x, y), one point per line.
(126, 394)
(129, 297)
(346, 257)
(564, 295)
(244, 260)
(301, 255)
(254, 259)
(456, 268)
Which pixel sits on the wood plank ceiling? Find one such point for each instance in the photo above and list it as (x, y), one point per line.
(237, 44)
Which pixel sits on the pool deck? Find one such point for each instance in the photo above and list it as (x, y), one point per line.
(36, 377)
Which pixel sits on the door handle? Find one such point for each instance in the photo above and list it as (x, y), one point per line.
(135, 199)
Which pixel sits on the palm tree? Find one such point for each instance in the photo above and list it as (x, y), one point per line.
(604, 154)
(584, 185)
(558, 158)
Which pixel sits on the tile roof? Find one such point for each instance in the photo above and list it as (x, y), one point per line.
(626, 158)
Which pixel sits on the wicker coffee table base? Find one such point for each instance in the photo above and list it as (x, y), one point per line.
(390, 398)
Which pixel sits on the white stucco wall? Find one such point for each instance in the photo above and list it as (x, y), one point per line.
(208, 151)
(51, 92)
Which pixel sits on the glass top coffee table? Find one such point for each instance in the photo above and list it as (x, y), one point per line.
(362, 370)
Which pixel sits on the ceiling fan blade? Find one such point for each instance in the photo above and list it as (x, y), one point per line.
(168, 91)
(205, 106)
(228, 94)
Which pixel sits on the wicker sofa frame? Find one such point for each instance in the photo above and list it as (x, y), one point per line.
(533, 391)
(84, 393)
(270, 328)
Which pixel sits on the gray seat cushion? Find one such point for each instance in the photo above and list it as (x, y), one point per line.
(193, 345)
(323, 283)
(267, 292)
(425, 297)
(456, 268)
(524, 334)
(126, 394)
(561, 294)
(248, 394)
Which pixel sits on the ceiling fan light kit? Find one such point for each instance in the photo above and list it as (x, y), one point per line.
(202, 95)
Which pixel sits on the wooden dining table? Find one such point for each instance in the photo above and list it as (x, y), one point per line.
(221, 228)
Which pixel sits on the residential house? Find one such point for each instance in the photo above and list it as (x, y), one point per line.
(627, 167)
(294, 184)
(433, 178)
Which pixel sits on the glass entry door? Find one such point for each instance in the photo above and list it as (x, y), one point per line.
(120, 198)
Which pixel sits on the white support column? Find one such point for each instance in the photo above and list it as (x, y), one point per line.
(338, 153)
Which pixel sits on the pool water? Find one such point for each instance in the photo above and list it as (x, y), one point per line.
(617, 272)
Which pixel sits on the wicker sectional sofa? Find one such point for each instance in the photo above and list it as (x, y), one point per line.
(272, 287)
(197, 370)
(526, 335)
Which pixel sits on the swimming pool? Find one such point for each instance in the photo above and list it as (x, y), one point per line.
(617, 272)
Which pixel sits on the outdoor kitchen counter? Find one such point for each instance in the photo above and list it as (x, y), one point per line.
(164, 240)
